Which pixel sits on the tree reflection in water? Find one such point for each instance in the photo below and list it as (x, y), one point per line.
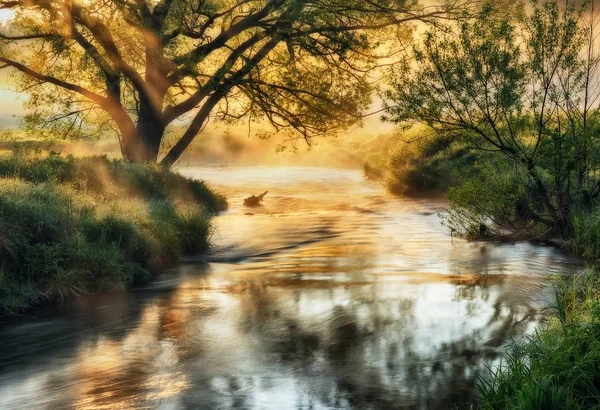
(312, 303)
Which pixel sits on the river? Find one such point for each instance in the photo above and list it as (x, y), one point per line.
(333, 295)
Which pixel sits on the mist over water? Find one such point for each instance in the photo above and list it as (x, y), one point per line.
(333, 295)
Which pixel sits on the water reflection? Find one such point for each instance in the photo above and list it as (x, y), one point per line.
(332, 296)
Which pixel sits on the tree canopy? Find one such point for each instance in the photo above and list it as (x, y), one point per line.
(140, 66)
(525, 94)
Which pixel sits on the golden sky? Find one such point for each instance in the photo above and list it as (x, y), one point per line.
(10, 102)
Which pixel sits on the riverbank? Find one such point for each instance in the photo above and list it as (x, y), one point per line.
(558, 367)
(70, 226)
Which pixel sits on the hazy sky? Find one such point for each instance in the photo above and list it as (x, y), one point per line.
(10, 104)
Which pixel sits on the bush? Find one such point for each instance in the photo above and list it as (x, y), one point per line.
(585, 234)
(420, 166)
(513, 89)
(69, 226)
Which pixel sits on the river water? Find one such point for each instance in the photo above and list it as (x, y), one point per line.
(333, 295)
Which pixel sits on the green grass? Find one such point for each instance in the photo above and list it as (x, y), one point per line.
(107, 177)
(75, 225)
(585, 235)
(558, 367)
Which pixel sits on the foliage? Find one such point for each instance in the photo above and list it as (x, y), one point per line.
(491, 199)
(140, 66)
(69, 226)
(419, 164)
(585, 236)
(558, 367)
(523, 93)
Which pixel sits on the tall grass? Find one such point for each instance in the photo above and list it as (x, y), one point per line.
(70, 226)
(558, 367)
(585, 235)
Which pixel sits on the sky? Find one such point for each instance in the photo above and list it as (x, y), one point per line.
(10, 102)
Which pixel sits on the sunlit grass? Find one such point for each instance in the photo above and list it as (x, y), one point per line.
(70, 226)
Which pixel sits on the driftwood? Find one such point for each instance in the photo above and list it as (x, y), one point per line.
(255, 200)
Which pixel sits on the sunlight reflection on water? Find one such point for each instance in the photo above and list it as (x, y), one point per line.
(330, 296)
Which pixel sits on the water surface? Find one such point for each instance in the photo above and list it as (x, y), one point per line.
(333, 295)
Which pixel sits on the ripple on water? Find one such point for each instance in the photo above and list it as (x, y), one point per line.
(332, 295)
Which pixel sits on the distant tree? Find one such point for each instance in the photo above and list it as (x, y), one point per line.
(141, 66)
(525, 94)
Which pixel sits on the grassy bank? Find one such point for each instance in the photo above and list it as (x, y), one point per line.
(75, 225)
(558, 367)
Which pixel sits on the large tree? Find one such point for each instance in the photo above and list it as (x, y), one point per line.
(141, 66)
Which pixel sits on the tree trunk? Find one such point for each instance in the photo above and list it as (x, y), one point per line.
(197, 123)
(144, 144)
(150, 129)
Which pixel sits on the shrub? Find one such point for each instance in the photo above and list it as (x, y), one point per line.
(585, 236)
(421, 165)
